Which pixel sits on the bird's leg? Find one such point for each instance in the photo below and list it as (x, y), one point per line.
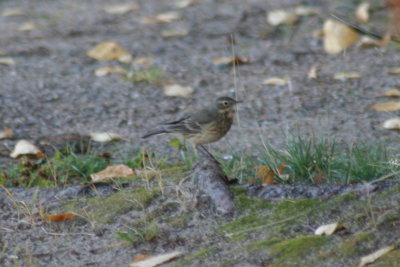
(205, 152)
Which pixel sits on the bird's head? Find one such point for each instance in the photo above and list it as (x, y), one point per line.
(226, 103)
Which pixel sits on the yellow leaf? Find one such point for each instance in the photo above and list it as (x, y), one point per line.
(275, 81)
(338, 36)
(109, 51)
(346, 75)
(6, 133)
(306, 10)
(24, 147)
(175, 32)
(387, 106)
(392, 124)
(165, 17)
(7, 61)
(120, 9)
(394, 71)
(393, 92)
(362, 12)
(103, 137)
(107, 70)
(280, 16)
(12, 12)
(328, 229)
(178, 90)
(117, 171)
(28, 26)
(184, 3)
(374, 256)
(156, 260)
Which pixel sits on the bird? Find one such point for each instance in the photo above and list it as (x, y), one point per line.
(204, 126)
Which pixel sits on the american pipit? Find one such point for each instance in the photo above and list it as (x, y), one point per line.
(204, 126)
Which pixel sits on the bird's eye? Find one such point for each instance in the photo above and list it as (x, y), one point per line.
(225, 103)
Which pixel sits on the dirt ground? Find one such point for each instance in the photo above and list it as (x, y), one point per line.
(52, 89)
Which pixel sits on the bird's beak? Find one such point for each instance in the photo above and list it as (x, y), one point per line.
(239, 101)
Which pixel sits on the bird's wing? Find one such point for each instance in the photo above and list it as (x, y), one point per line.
(191, 123)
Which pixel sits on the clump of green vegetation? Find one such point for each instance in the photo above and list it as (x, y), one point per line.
(149, 75)
(141, 231)
(62, 169)
(315, 160)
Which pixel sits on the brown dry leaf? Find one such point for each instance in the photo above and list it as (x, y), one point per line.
(387, 106)
(28, 26)
(61, 217)
(175, 32)
(328, 229)
(7, 61)
(346, 75)
(120, 9)
(184, 3)
(392, 124)
(12, 12)
(104, 137)
(362, 12)
(117, 171)
(229, 61)
(107, 51)
(6, 133)
(392, 92)
(24, 147)
(178, 90)
(275, 81)
(266, 175)
(107, 70)
(140, 257)
(312, 73)
(394, 71)
(306, 10)
(374, 256)
(143, 61)
(157, 260)
(280, 16)
(338, 36)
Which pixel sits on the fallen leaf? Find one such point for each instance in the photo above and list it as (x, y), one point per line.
(346, 75)
(6, 133)
(7, 61)
(24, 147)
(306, 10)
(61, 217)
(12, 12)
(362, 12)
(184, 3)
(367, 41)
(394, 71)
(230, 61)
(387, 106)
(104, 137)
(280, 16)
(28, 26)
(393, 92)
(312, 73)
(266, 175)
(107, 51)
(117, 171)
(374, 256)
(107, 70)
(338, 36)
(120, 9)
(156, 260)
(178, 90)
(392, 124)
(140, 257)
(329, 229)
(175, 32)
(275, 81)
(165, 17)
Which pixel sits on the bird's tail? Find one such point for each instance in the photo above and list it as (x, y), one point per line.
(155, 132)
